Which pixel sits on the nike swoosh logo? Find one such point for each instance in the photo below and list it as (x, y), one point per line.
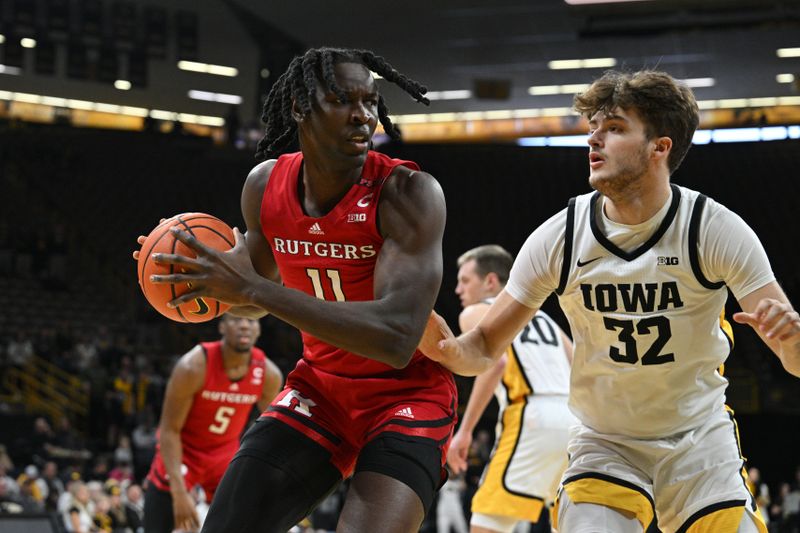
(584, 263)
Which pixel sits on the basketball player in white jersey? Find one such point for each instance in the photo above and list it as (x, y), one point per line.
(640, 267)
(531, 384)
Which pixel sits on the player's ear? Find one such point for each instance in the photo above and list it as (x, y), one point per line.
(492, 279)
(663, 145)
(297, 113)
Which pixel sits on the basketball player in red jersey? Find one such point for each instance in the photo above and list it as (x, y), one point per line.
(209, 398)
(356, 239)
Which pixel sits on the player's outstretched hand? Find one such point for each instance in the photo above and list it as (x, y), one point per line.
(184, 512)
(774, 319)
(459, 451)
(438, 341)
(225, 276)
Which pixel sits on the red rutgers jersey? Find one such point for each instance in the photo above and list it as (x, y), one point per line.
(341, 400)
(219, 412)
(331, 257)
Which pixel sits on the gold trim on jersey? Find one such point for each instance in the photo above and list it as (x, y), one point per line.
(514, 379)
(609, 492)
(726, 328)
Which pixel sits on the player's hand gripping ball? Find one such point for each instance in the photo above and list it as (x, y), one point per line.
(207, 229)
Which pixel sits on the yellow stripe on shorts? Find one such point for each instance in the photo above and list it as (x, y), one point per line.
(723, 517)
(602, 489)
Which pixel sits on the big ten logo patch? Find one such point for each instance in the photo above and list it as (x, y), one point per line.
(356, 217)
(666, 260)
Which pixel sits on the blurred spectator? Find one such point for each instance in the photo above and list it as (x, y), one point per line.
(143, 390)
(123, 453)
(67, 445)
(144, 444)
(116, 511)
(85, 353)
(30, 496)
(5, 460)
(122, 473)
(55, 487)
(100, 469)
(28, 488)
(134, 508)
(449, 508)
(9, 483)
(122, 400)
(790, 507)
(9, 502)
(20, 349)
(101, 517)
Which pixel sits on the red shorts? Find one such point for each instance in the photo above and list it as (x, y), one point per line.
(198, 468)
(343, 414)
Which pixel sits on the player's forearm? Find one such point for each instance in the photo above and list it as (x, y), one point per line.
(472, 356)
(383, 330)
(172, 455)
(482, 392)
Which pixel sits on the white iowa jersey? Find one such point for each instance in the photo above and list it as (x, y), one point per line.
(647, 325)
(536, 364)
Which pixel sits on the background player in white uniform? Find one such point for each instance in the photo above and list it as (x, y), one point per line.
(531, 384)
(640, 269)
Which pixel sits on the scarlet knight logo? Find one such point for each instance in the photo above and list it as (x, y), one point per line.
(364, 202)
(293, 400)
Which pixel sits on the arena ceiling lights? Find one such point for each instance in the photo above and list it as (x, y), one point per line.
(462, 94)
(788, 52)
(215, 97)
(6, 69)
(541, 90)
(596, 62)
(206, 68)
(85, 105)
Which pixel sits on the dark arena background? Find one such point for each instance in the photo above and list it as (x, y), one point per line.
(115, 113)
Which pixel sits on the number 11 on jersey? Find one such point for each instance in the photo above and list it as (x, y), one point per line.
(333, 276)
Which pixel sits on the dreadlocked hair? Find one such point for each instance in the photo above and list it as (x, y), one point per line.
(298, 84)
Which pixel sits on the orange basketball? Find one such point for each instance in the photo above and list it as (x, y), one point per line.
(207, 229)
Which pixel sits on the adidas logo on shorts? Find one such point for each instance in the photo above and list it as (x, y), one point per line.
(406, 412)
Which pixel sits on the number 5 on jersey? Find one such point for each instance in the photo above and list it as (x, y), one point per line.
(336, 283)
(222, 420)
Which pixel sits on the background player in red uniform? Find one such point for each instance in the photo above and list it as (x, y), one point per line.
(209, 398)
(356, 239)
